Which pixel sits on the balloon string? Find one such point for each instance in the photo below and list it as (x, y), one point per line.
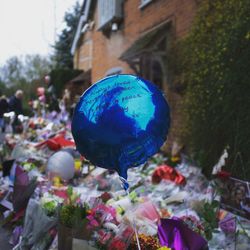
(136, 235)
(125, 185)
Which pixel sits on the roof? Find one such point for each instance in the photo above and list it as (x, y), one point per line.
(82, 77)
(83, 20)
(146, 42)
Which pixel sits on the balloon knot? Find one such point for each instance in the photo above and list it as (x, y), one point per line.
(125, 184)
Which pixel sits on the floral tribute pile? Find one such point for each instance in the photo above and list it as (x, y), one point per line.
(170, 204)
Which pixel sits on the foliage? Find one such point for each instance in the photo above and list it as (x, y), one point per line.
(24, 73)
(62, 56)
(36, 67)
(3, 88)
(24, 70)
(208, 215)
(213, 64)
(12, 71)
(73, 215)
(59, 77)
(27, 73)
(49, 208)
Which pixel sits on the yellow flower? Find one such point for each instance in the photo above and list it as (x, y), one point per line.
(120, 210)
(57, 181)
(78, 165)
(175, 158)
(164, 248)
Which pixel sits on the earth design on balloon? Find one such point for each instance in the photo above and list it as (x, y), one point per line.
(120, 122)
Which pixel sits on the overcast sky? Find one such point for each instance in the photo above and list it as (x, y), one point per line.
(30, 26)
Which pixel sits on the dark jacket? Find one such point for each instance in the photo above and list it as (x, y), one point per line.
(52, 99)
(15, 105)
(4, 107)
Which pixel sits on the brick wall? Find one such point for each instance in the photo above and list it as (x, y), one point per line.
(106, 51)
(83, 55)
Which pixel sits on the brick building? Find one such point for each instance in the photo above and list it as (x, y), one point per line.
(132, 36)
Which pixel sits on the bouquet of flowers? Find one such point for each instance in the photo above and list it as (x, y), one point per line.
(50, 203)
(72, 220)
(122, 239)
(146, 242)
(100, 215)
(36, 224)
(73, 213)
(23, 188)
(103, 223)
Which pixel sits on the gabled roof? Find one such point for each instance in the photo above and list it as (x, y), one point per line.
(83, 20)
(82, 77)
(146, 42)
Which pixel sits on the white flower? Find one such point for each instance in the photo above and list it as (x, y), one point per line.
(217, 167)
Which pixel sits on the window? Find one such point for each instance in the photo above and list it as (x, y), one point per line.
(109, 11)
(152, 68)
(157, 74)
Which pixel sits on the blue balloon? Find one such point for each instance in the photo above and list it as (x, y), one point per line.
(120, 122)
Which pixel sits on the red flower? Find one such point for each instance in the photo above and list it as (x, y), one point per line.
(117, 244)
(105, 196)
(168, 173)
(128, 232)
(223, 175)
(104, 237)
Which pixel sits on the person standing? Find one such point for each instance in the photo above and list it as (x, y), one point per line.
(15, 104)
(4, 107)
(51, 97)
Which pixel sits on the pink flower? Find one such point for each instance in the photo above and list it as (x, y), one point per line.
(94, 223)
